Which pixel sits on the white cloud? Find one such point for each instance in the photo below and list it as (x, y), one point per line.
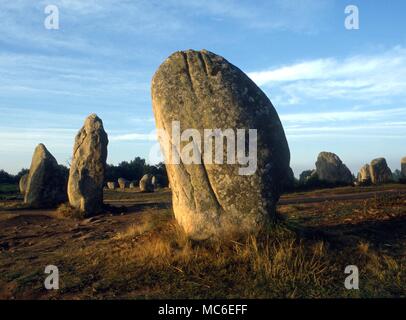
(134, 137)
(365, 78)
(356, 124)
(358, 116)
(33, 73)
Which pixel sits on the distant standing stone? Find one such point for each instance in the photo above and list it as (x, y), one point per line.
(403, 167)
(146, 183)
(307, 175)
(111, 185)
(133, 184)
(154, 181)
(122, 183)
(46, 182)
(331, 169)
(380, 172)
(86, 177)
(23, 183)
(364, 175)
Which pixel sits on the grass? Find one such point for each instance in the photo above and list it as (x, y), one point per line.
(156, 260)
(297, 258)
(65, 210)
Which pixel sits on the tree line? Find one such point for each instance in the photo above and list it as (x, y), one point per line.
(130, 170)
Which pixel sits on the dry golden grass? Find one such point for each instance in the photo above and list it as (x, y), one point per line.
(151, 257)
(134, 230)
(64, 210)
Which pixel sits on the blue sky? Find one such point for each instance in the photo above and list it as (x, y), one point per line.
(335, 89)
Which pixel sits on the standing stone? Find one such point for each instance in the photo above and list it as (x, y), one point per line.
(111, 185)
(202, 90)
(154, 182)
(379, 171)
(364, 175)
(307, 175)
(133, 184)
(23, 183)
(122, 183)
(331, 169)
(403, 168)
(86, 176)
(146, 183)
(46, 182)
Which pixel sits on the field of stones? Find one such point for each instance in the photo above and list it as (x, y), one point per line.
(200, 229)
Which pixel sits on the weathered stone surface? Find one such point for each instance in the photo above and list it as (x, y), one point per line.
(379, 171)
(403, 167)
(46, 182)
(86, 177)
(122, 183)
(202, 90)
(331, 169)
(364, 175)
(111, 185)
(23, 183)
(146, 183)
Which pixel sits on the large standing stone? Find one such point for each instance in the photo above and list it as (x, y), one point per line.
(364, 175)
(146, 183)
(403, 167)
(379, 171)
(86, 176)
(202, 90)
(46, 182)
(23, 183)
(331, 169)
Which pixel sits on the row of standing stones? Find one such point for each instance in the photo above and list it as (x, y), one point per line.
(378, 172)
(47, 183)
(330, 169)
(200, 90)
(148, 183)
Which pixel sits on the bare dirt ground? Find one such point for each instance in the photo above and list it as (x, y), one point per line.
(139, 252)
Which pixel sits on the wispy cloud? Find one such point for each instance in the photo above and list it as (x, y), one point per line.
(357, 78)
(355, 125)
(267, 15)
(27, 74)
(134, 137)
(336, 116)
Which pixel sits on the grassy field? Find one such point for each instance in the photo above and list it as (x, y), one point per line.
(140, 252)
